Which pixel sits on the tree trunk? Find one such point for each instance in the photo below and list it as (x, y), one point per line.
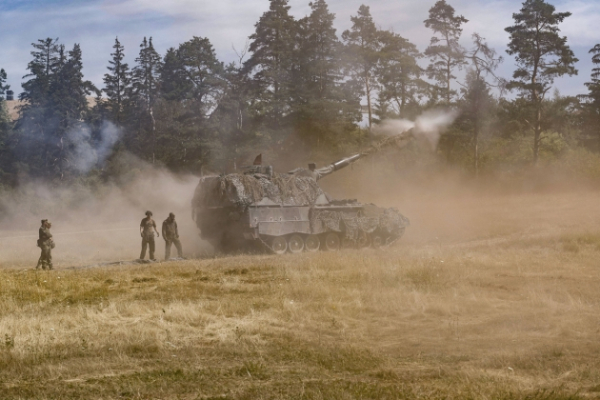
(448, 72)
(476, 150)
(537, 133)
(368, 90)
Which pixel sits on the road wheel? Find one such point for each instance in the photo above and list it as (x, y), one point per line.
(312, 243)
(296, 244)
(279, 245)
(348, 243)
(332, 241)
(363, 240)
(377, 241)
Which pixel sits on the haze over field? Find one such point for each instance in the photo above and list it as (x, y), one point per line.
(492, 294)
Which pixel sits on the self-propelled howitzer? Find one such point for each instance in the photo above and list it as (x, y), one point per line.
(289, 211)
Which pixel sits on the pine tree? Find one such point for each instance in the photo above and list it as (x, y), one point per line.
(145, 92)
(192, 84)
(271, 64)
(445, 52)
(363, 47)
(5, 126)
(3, 87)
(203, 72)
(232, 121)
(174, 84)
(117, 84)
(36, 143)
(323, 106)
(146, 75)
(399, 75)
(591, 100)
(541, 55)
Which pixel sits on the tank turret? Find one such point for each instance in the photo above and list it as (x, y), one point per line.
(289, 211)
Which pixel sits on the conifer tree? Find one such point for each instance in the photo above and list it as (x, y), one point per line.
(69, 93)
(445, 52)
(146, 75)
(541, 55)
(174, 84)
(117, 84)
(37, 123)
(5, 125)
(591, 100)
(323, 105)
(272, 47)
(35, 90)
(232, 121)
(363, 46)
(145, 92)
(3, 87)
(399, 74)
(203, 72)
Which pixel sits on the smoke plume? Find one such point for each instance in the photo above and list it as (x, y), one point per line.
(429, 125)
(88, 151)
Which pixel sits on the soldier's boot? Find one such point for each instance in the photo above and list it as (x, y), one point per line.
(167, 251)
(50, 266)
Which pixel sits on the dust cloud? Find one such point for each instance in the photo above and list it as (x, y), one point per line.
(97, 225)
(445, 206)
(449, 207)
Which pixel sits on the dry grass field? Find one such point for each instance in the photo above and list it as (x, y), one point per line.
(486, 297)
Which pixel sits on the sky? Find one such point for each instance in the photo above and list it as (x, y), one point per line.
(94, 24)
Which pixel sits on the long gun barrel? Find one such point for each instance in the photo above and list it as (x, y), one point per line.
(399, 140)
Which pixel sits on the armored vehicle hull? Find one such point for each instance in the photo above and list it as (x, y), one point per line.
(287, 212)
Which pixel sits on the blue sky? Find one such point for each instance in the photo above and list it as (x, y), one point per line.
(94, 24)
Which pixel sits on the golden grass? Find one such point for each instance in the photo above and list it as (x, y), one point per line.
(494, 313)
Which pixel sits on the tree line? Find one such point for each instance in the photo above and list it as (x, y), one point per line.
(297, 88)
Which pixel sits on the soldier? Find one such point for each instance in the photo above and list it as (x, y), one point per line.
(45, 243)
(171, 236)
(146, 227)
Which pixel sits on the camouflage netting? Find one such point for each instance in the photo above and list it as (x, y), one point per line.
(338, 221)
(246, 189)
(392, 221)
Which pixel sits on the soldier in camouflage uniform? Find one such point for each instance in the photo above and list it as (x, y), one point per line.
(45, 243)
(171, 236)
(146, 227)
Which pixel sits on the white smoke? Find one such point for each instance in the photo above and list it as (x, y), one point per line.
(88, 151)
(430, 125)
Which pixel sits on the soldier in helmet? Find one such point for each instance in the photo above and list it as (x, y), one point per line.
(171, 236)
(45, 243)
(146, 231)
